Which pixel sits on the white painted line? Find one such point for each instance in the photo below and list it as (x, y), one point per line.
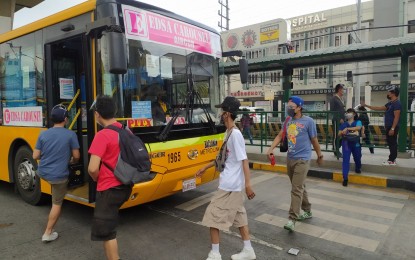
(323, 233)
(252, 238)
(381, 228)
(356, 209)
(365, 190)
(357, 198)
(195, 203)
(199, 201)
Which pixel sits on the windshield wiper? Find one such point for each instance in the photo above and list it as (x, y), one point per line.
(192, 94)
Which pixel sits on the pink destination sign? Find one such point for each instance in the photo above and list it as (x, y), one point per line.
(148, 26)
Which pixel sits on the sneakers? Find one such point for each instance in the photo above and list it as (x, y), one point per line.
(305, 215)
(345, 183)
(245, 254)
(214, 256)
(389, 163)
(290, 225)
(49, 238)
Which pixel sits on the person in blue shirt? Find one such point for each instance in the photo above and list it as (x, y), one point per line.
(301, 134)
(351, 127)
(392, 117)
(54, 148)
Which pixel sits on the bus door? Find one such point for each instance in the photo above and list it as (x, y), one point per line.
(65, 79)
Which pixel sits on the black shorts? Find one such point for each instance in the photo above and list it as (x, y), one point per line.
(107, 205)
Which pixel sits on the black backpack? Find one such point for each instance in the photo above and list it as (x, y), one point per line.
(133, 165)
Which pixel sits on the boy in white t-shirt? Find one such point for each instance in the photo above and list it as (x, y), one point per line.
(227, 205)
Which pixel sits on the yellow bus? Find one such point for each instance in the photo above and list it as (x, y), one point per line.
(161, 68)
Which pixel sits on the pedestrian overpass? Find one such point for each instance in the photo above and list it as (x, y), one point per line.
(9, 7)
(401, 47)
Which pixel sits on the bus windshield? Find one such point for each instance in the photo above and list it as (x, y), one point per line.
(160, 77)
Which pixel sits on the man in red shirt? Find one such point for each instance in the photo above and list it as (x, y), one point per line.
(111, 193)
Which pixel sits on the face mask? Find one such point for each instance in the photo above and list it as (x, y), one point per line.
(222, 119)
(291, 112)
(388, 97)
(349, 116)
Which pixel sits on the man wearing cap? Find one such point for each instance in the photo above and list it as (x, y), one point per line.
(301, 133)
(54, 148)
(392, 115)
(226, 208)
(338, 109)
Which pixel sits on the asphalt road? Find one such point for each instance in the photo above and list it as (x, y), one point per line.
(356, 222)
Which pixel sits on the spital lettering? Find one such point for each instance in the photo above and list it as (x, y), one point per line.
(309, 19)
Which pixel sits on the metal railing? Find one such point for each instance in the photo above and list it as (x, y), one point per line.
(267, 125)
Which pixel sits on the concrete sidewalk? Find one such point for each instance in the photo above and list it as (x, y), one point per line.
(373, 172)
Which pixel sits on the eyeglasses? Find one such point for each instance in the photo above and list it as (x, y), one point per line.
(93, 106)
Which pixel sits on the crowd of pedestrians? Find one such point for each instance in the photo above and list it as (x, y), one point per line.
(58, 147)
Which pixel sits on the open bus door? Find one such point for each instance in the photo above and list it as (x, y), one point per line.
(66, 76)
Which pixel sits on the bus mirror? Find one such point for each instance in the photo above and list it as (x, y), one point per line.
(243, 70)
(117, 53)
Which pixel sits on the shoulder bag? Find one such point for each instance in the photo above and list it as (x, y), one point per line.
(284, 140)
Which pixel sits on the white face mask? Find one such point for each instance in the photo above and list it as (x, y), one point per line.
(349, 116)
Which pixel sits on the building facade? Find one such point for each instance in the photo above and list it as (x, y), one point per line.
(380, 19)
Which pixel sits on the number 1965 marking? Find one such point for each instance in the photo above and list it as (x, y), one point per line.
(174, 157)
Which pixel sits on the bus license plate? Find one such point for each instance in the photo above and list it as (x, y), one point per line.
(189, 184)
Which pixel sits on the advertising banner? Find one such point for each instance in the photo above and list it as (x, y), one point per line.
(23, 116)
(143, 25)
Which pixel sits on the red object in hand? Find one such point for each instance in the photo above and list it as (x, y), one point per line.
(272, 159)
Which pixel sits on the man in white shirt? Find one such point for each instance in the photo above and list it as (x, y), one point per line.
(227, 205)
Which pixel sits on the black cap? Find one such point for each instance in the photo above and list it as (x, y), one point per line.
(59, 113)
(230, 104)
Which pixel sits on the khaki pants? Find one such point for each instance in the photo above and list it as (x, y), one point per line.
(297, 171)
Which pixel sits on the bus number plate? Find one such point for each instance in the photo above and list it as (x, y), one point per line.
(189, 184)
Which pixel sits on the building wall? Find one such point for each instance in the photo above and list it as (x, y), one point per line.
(336, 27)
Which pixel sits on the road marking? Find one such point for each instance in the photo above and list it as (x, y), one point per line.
(381, 228)
(357, 198)
(364, 191)
(252, 238)
(199, 201)
(323, 233)
(356, 209)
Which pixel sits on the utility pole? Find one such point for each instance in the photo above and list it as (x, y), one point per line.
(222, 16)
(226, 27)
(357, 77)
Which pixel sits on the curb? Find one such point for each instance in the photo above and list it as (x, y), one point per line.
(369, 180)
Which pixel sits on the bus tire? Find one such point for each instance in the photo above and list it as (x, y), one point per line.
(26, 180)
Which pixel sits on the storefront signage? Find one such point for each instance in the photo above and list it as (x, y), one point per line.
(269, 33)
(248, 93)
(143, 25)
(308, 21)
(23, 116)
(260, 35)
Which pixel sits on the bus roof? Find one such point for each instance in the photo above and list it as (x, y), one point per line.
(85, 7)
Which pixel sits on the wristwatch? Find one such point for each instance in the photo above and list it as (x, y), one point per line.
(393, 129)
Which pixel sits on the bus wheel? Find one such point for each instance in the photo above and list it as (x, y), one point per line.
(26, 180)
